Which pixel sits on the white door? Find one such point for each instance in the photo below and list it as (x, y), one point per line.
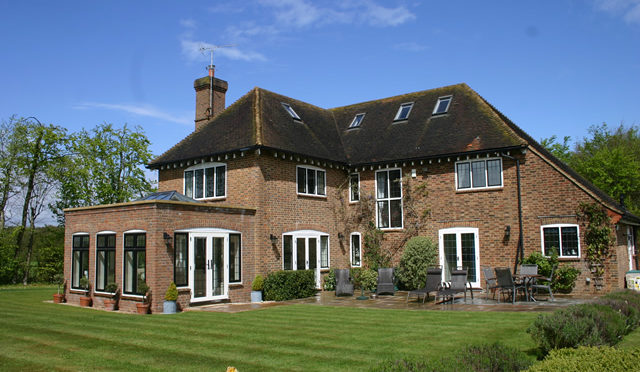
(208, 271)
(459, 247)
(301, 251)
(631, 246)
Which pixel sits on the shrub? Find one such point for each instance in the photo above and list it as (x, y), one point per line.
(627, 303)
(364, 278)
(258, 283)
(419, 253)
(589, 359)
(172, 292)
(564, 279)
(587, 325)
(289, 284)
(330, 281)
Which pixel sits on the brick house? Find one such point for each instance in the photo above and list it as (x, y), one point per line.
(273, 183)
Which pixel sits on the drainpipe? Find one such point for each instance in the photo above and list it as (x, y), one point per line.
(520, 249)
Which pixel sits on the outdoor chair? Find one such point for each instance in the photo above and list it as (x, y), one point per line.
(528, 273)
(433, 284)
(490, 282)
(457, 285)
(385, 282)
(506, 283)
(344, 285)
(547, 286)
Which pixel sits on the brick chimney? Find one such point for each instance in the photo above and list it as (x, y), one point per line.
(203, 96)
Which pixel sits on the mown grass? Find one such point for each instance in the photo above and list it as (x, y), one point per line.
(44, 336)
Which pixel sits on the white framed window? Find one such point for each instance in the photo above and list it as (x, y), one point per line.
(206, 181)
(479, 174)
(311, 181)
(356, 249)
(389, 199)
(354, 187)
(305, 250)
(404, 111)
(291, 112)
(460, 247)
(564, 239)
(357, 120)
(442, 106)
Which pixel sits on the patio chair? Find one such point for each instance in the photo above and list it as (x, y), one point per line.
(385, 282)
(344, 284)
(490, 282)
(458, 285)
(506, 283)
(527, 276)
(546, 286)
(433, 284)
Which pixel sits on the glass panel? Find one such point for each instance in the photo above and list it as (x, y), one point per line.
(76, 242)
(101, 241)
(382, 185)
(396, 213)
(442, 105)
(141, 240)
(478, 174)
(77, 270)
(404, 112)
(494, 171)
(450, 255)
(324, 252)
(311, 181)
(354, 187)
(468, 242)
(302, 180)
(200, 272)
(462, 170)
(355, 250)
(220, 180)
(111, 241)
(129, 273)
(100, 269)
(180, 265)
(321, 182)
(111, 266)
(84, 258)
(570, 241)
(199, 182)
(209, 182)
(301, 254)
(313, 253)
(218, 267)
(551, 240)
(85, 241)
(140, 272)
(128, 241)
(234, 258)
(383, 214)
(188, 184)
(287, 254)
(395, 179)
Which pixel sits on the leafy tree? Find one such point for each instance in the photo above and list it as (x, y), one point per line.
(12, 141)
(561, 151)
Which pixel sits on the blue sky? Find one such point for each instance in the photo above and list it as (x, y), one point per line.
(553, 67)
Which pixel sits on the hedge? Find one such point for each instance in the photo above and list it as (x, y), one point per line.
(589, 359)
(289, 284)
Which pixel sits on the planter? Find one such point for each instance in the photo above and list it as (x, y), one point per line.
(110, 305)
(142, 308)
(85, 301)
(256, 296)
(58, 298)
(169, 307)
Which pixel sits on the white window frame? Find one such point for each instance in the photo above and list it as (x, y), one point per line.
(351, 188)
(291, 111)
(204, 166)
(458, 231)
(398, 118)
(486, 174)
(446, 109)
(559, 226)
(357, 120)
(351, 249)
(389, 199)
(316, 169)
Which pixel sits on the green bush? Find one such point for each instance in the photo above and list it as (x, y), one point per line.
(589, 359)
(486, 357)
(289, 284)
(258, 283)
(544, 263)
(172, 292)
(330, 281)
(419, 253)
(564, 279)
(364, 278)
(576, 325)
(627, 303)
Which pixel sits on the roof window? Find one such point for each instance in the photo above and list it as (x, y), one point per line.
(403, 111)
(357, 120)
(442, 106)
(290, 111)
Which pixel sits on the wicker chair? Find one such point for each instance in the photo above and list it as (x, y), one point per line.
(385, 282)
(491, 284)
(344, 284)
(433, 284)
(547, 286)
(458, 285)
(506, 283)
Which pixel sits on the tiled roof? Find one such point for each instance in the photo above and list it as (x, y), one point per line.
(168, 195)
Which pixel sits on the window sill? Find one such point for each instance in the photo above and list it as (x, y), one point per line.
(400, 121)
(103, 294)
(238, 284)
(78, 291)
(132, 297)
(391, 229)
(568, 259)
(479, 189)
(313, 196)
(217, 198)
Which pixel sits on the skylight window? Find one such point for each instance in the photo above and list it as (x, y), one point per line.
(290, 111)
(403, 111)
(442, 106)
(356, 121)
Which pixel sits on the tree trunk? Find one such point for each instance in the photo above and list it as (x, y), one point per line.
(35, 163)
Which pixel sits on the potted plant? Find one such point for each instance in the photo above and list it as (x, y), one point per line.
(86, 286)
(112, 302)
(256, 289)
(58, 298)
(170, 297)
(143, 308)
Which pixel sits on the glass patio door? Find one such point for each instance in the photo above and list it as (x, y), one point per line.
(208, 273)
(300, 252)
(459, 248)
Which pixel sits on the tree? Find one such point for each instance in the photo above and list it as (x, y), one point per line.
(105, 168)
(12, 141)
(559, 150)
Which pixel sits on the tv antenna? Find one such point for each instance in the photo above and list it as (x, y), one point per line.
(210, 48)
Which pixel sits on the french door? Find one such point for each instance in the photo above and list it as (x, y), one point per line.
(208, 272)
(459, 248)
(301, 251)
(631, 246)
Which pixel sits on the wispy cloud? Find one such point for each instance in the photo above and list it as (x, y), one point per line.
(193, 51)
(629, 10)
(140, 110)
(410, 46)
(380, 16)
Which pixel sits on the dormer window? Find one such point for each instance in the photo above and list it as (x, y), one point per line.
(291, 111)
(442, 106)
(357, 120)
(403, 111)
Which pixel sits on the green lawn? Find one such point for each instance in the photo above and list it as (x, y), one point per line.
(45, 336)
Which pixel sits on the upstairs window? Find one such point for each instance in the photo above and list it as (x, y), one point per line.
(479, 174)
(80, 259)
(205, 181)
(357, 120)
(354, 187)
(311, 181)
(442, 106)
(403, 111)
(563, 239)
(389, 199)
(291, 112)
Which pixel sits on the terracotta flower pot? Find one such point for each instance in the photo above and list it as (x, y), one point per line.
(142, 308)
(58, 298)
(110, 304)
(85, 301)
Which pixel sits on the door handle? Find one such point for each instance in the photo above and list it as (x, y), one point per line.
(208, 264)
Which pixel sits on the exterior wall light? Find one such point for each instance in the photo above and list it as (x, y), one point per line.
(273, 238)
(507, 232)
(167, 238)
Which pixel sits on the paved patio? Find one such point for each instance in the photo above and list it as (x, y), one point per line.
(399, 301)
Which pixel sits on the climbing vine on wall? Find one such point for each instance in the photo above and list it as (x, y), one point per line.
(598, 236)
